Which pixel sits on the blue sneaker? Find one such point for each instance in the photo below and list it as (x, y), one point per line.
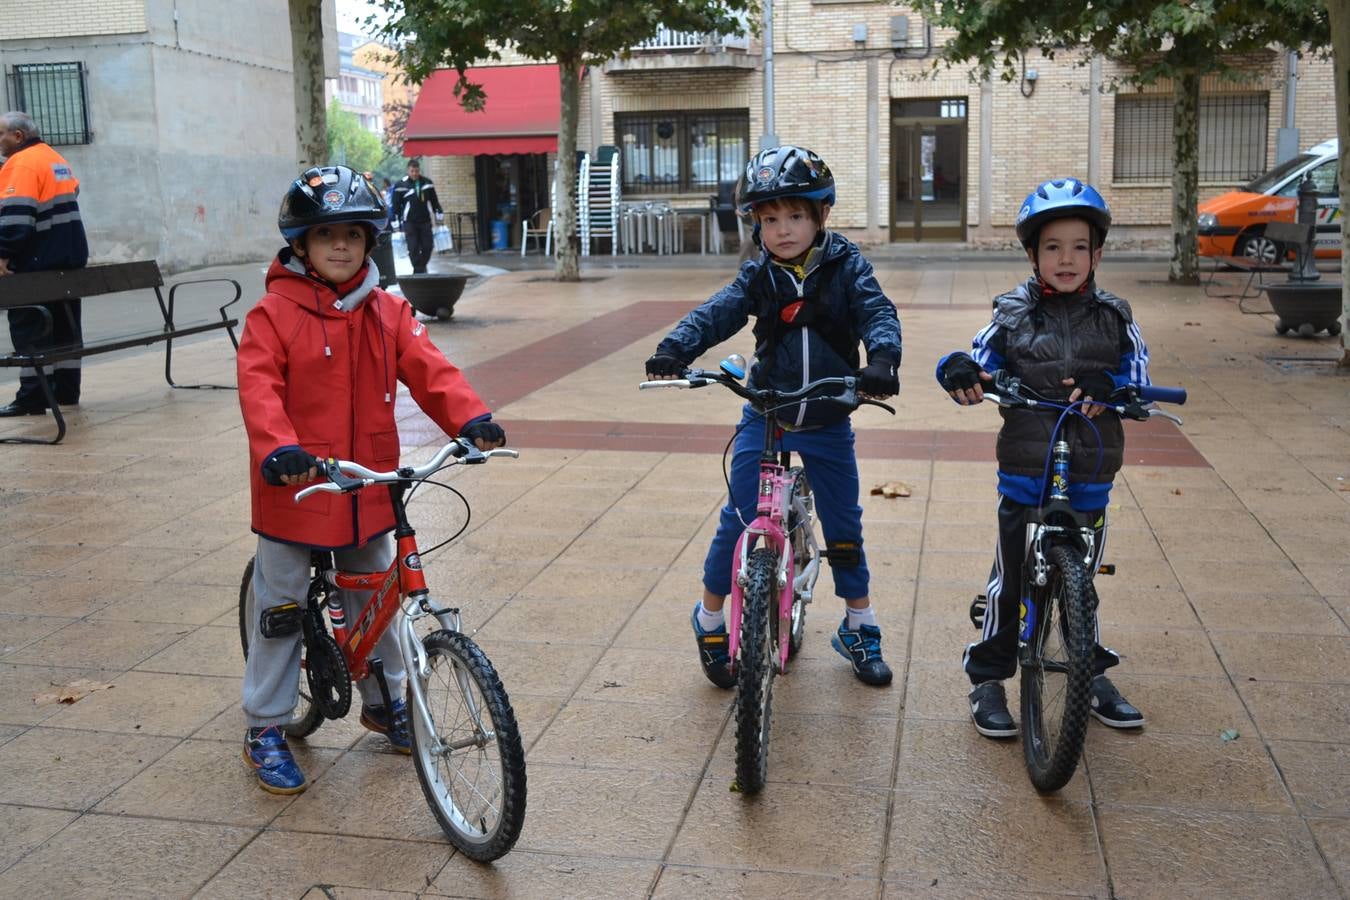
(712, 653)
(266, 751)
(395, 727)
(862, 649)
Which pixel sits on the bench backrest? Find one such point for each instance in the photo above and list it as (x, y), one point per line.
(1288, 233)
(27, 288)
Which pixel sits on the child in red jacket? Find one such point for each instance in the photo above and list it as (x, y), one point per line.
(319, 363)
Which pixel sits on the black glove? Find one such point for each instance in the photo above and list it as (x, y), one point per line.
(490, 433)
(879, 378)
(960, 373)
(287, 462)
(1097, 385)
(662, 365)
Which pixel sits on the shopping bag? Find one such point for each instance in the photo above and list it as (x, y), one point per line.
(440, 238)
(399, 243)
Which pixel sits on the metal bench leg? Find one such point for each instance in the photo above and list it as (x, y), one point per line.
(51, 405)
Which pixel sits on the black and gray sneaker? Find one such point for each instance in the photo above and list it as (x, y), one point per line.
(989, 709)
(1109, 708)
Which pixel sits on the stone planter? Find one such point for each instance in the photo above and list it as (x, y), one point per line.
(433, 294)
(1306, 307)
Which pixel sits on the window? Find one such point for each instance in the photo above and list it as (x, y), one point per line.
(53, 94)
(1232, 137)
(675, 152)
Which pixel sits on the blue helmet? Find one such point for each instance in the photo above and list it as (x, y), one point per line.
(1062, 198)
(785, 171)
(324, 195)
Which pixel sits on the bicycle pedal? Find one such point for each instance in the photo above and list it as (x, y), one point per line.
(1106, 569)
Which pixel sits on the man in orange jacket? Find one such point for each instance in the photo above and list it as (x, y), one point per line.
(40, 229)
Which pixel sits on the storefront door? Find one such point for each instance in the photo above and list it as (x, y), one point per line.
(928, 169)
(511, 187)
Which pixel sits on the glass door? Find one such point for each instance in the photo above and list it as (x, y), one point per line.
(928, 166)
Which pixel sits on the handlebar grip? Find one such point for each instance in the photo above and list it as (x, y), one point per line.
(1155, 393)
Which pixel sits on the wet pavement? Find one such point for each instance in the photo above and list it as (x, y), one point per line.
(122, 551)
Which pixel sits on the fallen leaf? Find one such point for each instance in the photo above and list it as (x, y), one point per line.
(892, 489)
(71, 692)
(1190, 323)
(1228, 735)
(1177, 491)
(1343, 487)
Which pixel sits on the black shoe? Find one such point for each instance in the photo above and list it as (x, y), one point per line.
(18, 409)
(1109, 708)
(989, 709)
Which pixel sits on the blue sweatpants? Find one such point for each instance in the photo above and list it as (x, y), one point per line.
(831, 465)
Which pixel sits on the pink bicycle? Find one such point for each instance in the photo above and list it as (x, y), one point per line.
(776, 557)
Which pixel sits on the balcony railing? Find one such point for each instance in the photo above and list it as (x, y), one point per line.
(667, 39)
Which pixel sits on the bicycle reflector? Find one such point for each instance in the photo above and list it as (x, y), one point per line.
(734, 365)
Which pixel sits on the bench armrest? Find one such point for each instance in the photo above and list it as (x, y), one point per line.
(238, 292)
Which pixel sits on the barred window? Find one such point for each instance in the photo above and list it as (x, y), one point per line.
(1232, 137)
(675, 152)
(54, 95)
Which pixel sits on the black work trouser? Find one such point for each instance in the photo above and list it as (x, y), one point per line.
(420, 244)
(994, 657)
(28, 332)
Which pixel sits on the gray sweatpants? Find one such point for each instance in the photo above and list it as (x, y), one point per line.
(272, 671)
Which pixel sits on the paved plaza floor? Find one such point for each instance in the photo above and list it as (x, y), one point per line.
(122, 549)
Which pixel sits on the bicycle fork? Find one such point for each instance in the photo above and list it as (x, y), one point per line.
(415, 659)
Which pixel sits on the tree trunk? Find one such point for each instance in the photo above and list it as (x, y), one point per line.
(311, 119)
(1185, 177)
(567, 234)
(1339, 12)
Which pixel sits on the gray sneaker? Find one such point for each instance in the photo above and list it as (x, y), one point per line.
(989, 709)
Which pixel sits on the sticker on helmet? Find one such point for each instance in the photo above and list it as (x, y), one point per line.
(332, 199)
(764, 175)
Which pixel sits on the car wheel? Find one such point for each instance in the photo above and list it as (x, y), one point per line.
(1257, 246)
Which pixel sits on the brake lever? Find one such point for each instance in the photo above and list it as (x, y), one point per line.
(869, 402)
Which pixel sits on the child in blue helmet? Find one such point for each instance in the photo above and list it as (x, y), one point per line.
(814, 299)
(1068, 339)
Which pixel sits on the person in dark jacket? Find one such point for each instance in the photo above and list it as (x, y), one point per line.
(1066, 339)
(40, 230)
(814, 298)
(415, 204)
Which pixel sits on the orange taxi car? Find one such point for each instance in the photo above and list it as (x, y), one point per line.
(1233, 224)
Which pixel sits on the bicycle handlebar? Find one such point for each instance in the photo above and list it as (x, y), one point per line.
(1009, 392)
(697, 378)
(344, 475)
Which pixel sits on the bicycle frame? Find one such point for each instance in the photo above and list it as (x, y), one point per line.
(768, 528)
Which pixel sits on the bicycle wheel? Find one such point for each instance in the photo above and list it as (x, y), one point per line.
(468, 753)
(306, 718)
(755, 667)
(1057, 672)
(800, 521)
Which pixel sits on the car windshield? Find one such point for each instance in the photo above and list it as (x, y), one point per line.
(1270, 179)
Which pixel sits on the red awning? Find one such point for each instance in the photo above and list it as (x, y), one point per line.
(520, 114)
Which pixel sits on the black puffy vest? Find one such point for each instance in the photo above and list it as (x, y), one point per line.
(1048, 338)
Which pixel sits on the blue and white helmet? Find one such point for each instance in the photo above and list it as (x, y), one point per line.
(1062, 198)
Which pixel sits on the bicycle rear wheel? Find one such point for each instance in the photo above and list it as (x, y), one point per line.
(307, 717)
(1057, 672)
(755, 667)
(468, 753)
(800, 520)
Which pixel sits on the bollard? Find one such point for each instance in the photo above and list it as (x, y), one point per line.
(1304, 270)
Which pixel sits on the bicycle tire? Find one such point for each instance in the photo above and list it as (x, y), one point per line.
(755, 668)
(1056, 672)
(307, 717)
(481, 812)
(801, 552)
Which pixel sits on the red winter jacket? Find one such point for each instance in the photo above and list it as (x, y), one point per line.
(323, 377)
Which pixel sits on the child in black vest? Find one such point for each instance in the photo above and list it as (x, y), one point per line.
(814, 298)
(1066, 339)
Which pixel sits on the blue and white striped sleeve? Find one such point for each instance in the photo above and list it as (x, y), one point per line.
(986, 347)
(1133, 358)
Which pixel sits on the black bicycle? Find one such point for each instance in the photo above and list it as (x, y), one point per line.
(1057, 625)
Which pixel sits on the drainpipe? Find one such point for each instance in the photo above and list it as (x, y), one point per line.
(1286, 138)
(769, 138)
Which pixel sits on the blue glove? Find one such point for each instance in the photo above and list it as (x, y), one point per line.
(292, 461)
(484, 435)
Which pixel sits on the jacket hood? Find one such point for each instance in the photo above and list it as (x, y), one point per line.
(287, 277)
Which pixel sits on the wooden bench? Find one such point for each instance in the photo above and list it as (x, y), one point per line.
(26, 290)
